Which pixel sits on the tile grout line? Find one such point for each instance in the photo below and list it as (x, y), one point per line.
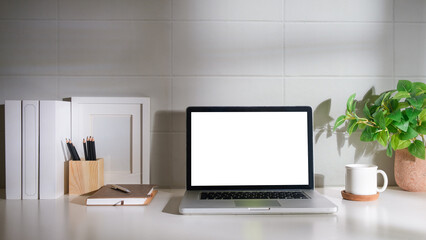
(172, 118)
(210, 76)
(210, 20)
(393, 46)
(57, 51)
(283, 52)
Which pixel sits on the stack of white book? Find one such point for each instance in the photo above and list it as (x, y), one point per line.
(35, 148)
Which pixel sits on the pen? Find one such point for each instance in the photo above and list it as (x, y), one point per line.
(120, 188)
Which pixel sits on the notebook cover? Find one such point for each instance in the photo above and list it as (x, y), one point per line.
(139, 192)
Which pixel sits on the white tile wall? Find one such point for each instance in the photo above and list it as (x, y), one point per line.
(227, 48)
(339, 10)
(360, 49)
(114, 48)
(410, 10)
(28, 87)
(232, 91)
(215, 52)
(113, 9)
(328, 96)
(249, 10)
(28, 9)
(28, 47)
(410, 49)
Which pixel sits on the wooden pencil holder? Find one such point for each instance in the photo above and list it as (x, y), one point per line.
(85, 176)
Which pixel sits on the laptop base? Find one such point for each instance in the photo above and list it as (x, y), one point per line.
(192, 204)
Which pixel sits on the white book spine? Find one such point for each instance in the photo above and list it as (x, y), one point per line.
(30, 149)
(13, 149)
(55, 126)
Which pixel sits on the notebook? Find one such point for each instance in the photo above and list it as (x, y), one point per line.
(141, 194)
(250, 160)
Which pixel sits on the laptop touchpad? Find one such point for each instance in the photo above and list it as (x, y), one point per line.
(253, 203)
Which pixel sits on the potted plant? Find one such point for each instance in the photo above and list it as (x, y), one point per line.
(397, 120)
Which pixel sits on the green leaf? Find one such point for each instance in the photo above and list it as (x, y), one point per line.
(411, 133)
(413, 124)
(350, 103)
(394, 104)
(403, 125)
(383, 138)
(389, 150)
(416, 102)
(353, 106)
(379, 100)
(422, 128)
(369, 134)
(383, 97)
(417, 149)
(361, 125)
(395, 141)
(422, 115)
(392, 129)
(402, 94)
(379, 118)
(412, 113)
(387, 96)
(403, 105)
(340, 120)
(366, 111)
(352, 126)
(388, 121)
(396, 116)
(419, 88)
(399, 144)
(404, 85)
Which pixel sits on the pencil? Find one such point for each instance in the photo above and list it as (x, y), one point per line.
(70, 149)
(89, 148)
(85, 148)
(76, 157)
(94, 149)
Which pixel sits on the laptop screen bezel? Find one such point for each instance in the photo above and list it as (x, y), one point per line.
(306, 109)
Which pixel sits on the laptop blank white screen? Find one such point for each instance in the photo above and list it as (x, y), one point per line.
(249, 148)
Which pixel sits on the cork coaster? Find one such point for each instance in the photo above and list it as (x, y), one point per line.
(353, 197)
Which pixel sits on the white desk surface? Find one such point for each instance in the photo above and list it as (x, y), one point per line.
(396, 215)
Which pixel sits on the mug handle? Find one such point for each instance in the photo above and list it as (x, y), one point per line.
(385, 181)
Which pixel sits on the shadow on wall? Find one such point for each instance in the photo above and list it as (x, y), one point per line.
(323, 124)
(168, 153)
(2, 149)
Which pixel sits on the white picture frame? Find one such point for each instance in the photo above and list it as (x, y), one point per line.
(123, 128)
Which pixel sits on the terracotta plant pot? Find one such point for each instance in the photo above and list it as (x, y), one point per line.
(410, 172)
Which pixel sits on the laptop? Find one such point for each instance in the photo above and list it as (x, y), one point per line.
(251, 160)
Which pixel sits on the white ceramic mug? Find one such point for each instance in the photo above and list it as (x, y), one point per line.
(361, 179)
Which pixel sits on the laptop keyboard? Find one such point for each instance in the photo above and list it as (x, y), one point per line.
(252, 195)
